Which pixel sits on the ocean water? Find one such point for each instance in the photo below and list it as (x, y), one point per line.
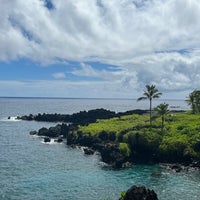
(32, 170)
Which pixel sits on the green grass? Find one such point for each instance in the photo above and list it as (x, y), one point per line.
(115, 124)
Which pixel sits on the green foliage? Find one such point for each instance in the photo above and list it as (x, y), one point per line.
(114, 125)
(144, 142)
(124, 148)
(162, 110)
(122, 195)
(150, 93)
(174, 147)
(194, 101)
(180, 140)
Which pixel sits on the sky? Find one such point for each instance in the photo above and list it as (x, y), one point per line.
(99, 48)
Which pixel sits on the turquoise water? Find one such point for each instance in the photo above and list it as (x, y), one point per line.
(30, 169)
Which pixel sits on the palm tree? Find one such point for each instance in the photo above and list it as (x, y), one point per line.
(194, 101)
(150, 94)
(162, 110)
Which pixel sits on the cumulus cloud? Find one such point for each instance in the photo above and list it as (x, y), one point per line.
(150, 41)
(86, 70)
(123, 77)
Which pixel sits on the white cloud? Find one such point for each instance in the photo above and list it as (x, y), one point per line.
(86, 70)
(154, 41)
(126, 78)
(59, 75)
(115, 30)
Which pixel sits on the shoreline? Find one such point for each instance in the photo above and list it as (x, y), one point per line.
(105, 143)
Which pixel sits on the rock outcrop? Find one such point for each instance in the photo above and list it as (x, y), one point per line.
(47, 139)
(139, 193)
(80, 118)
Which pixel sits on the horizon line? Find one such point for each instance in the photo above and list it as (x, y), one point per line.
(103, 98)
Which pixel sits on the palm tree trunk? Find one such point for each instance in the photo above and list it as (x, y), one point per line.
(150, 113)
(163, 120)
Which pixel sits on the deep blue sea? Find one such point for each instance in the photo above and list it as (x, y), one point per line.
(31, 170)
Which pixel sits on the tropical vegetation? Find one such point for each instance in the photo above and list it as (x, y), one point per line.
(194, 101)
(162, 110)
(139, 141)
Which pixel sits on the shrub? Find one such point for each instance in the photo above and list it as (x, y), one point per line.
(124, 148)
(173, 148)
(144, 142)
(122, 195)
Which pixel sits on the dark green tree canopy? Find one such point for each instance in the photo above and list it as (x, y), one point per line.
(162, 109)
(194, 101)
(150, 93)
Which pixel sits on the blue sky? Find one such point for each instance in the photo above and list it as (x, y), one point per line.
(26, 70)
(99, 48)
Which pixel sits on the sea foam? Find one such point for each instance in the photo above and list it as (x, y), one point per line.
(10, 119)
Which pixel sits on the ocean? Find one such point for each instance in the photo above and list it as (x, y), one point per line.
(32, 170)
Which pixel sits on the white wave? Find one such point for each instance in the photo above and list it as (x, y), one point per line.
(103, 164)
(52, 141)
(10, 119)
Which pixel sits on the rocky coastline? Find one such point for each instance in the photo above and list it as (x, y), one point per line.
(80, 118)
(108, 149)
(105, 144)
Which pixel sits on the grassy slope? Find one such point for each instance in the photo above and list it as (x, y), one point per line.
(179, 141)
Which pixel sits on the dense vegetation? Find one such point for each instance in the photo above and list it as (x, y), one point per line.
(177, 141)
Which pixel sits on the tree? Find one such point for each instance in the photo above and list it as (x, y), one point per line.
(194, 101)
(162, 110)
(150, 94)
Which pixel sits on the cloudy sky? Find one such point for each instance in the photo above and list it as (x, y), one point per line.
(99, 48)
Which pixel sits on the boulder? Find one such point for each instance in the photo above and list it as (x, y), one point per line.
(88, 151)
(111, 154)
(59, 140)
(33, 133)
(47, 139)
(139, 193)
(176, 168)
(51, 132)
(55, 131)
(126, 165)
(195, 164)
(43, 132)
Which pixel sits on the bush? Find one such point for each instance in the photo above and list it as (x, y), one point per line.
(173, 148)
(144, 142)
(124, 148)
